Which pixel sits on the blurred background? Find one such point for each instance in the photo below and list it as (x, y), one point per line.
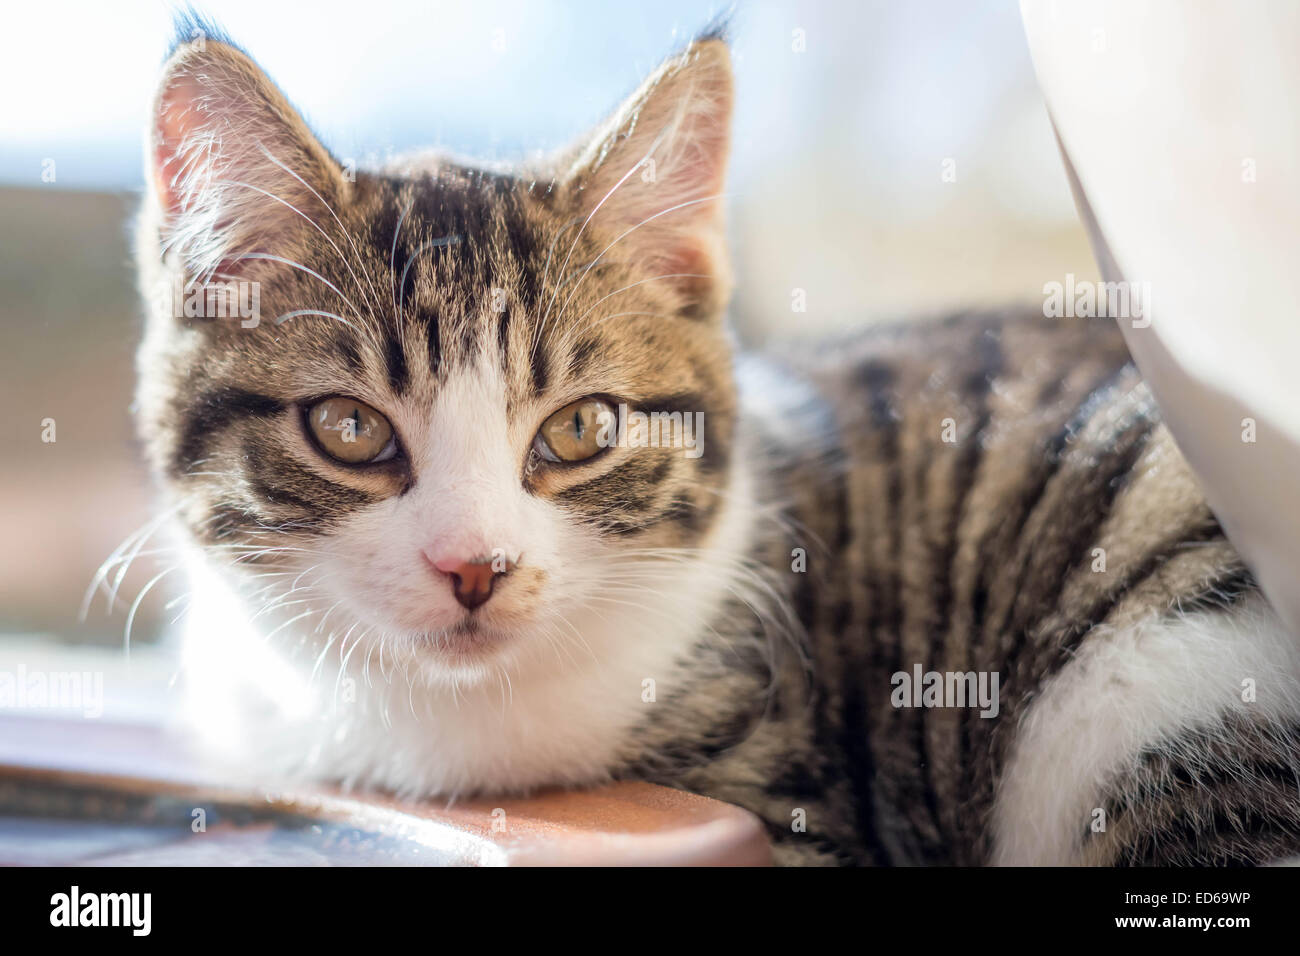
(891, 159)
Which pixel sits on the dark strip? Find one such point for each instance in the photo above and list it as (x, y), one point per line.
(399, 376)
(540, 368)
(1089, 506)
(580, 360)
(225, 521)
(856, 731)
(1221, 795)
(1098, 484)
(210, 414)
(435, 344)
(470, 336)
(682, 402)
(1134, 577)
(279, 480)
(715, 440)
(503, 341)
(690, 514)
(1222, 592)
(943, 570)
(1017, 516)
(622, 501)
(351, 354)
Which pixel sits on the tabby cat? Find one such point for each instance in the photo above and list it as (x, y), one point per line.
(942, 593)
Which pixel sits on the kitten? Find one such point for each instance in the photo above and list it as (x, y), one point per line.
(941, 593)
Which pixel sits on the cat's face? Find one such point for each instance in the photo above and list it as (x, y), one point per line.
(423, 424)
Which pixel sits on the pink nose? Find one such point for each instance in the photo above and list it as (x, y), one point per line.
(471, 581)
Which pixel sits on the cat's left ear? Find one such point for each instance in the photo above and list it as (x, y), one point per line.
(234, 169)
(651, 180)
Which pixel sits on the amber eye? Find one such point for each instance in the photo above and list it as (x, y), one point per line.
(577, 431)
(351, 431)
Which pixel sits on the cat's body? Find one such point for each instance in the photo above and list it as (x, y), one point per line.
(992, 495)
(1056, 539)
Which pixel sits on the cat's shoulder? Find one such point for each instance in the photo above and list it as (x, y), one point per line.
(962, 354)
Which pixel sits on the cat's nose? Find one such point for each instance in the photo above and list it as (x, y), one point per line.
(472, 581)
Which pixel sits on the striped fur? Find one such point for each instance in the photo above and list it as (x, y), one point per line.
(978, 555)
(936, 495)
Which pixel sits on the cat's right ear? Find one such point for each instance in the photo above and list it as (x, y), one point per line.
(652, 177)
(232, 166)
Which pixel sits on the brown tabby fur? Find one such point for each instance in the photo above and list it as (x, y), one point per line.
(971, 554)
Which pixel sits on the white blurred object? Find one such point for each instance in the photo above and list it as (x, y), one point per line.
(1181, 123)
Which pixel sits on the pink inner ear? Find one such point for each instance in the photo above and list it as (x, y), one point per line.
(186, 160)
(232, 164)
(175, 122)
(688, 258)
(177, 156)
(654, 183)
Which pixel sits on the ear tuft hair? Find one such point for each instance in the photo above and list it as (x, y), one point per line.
(719, 28)
(190, 26)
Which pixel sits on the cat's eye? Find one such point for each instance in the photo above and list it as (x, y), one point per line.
(351, 431)
(577, 431)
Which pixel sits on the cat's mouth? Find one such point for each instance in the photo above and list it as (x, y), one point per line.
(467, 638)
